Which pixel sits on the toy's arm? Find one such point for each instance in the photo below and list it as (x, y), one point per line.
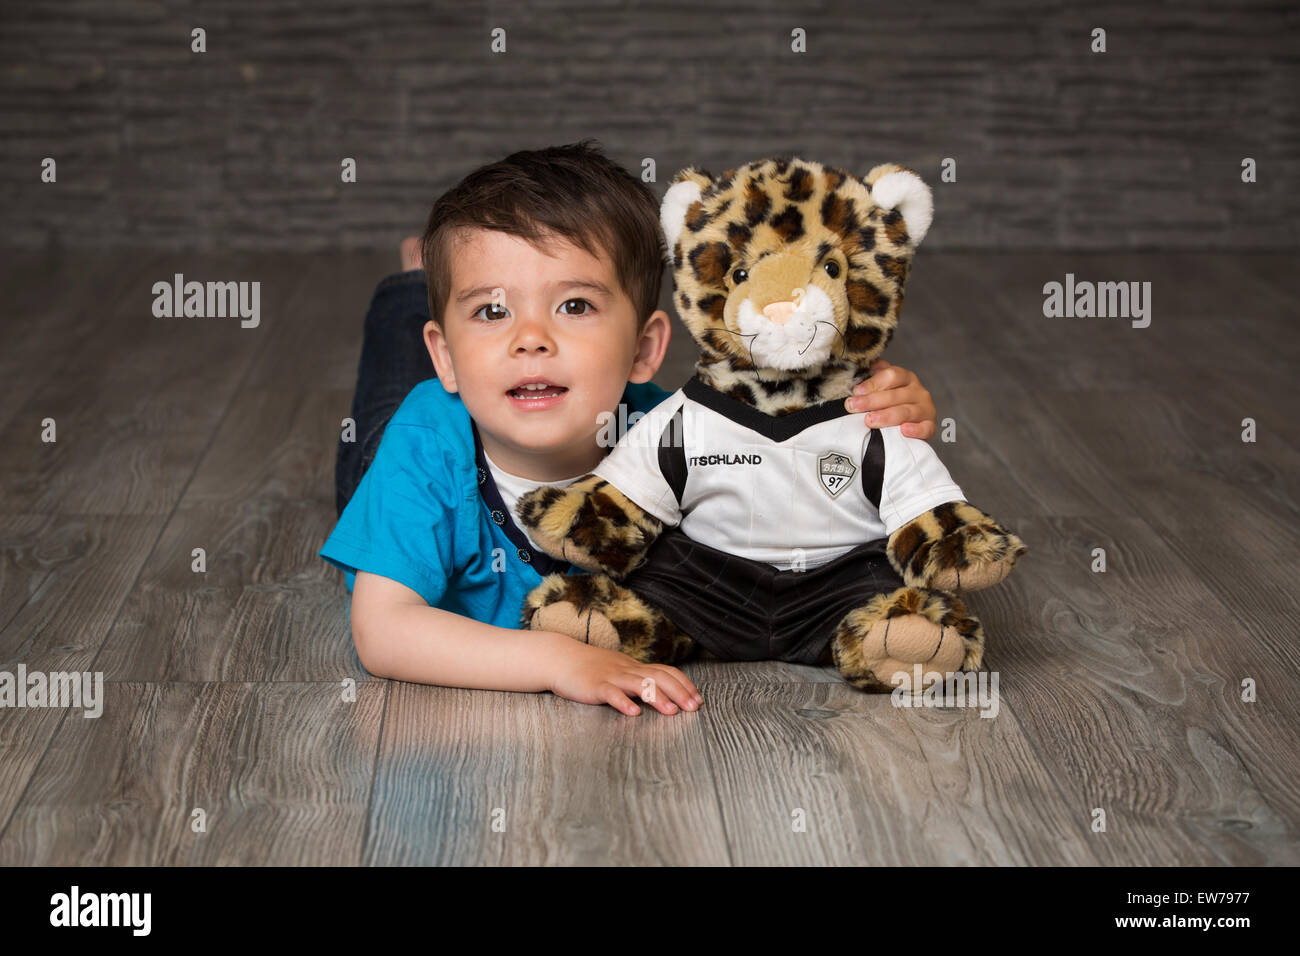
(589, 523)
(954, 547)
(937, 539)
(607, 520)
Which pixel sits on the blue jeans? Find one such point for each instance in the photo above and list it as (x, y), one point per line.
(393, 361)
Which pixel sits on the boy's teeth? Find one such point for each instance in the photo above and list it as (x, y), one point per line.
(538, 390)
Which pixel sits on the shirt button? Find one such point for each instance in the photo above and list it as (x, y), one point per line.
(524, 555)
(498, 517)
(482, 476)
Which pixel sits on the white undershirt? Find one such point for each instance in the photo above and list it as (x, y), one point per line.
(512, 488)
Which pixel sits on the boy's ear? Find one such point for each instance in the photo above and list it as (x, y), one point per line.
(685, 190)
(436, 342)
(653, 346)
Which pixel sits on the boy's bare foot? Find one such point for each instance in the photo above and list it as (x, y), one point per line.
(411, 258)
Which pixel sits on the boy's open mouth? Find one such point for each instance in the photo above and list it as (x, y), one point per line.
(538, 391)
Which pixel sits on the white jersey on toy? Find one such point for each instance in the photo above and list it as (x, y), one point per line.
(795, 491)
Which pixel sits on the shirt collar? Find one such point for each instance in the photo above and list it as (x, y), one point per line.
(774, 428)
(500, 515)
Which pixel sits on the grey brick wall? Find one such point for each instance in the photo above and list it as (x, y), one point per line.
(239, 147)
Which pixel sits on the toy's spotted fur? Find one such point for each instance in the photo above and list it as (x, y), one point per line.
(590, 524)
(595, 609)
(930, 628)
(953, 546)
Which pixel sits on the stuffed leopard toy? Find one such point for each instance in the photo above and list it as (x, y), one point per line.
(748, 514)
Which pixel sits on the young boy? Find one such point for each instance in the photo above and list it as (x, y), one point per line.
(536, 304)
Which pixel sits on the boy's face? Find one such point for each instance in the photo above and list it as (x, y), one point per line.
(517, 313)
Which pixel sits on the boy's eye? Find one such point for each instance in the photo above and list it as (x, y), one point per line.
(581, 305)
(495, 311)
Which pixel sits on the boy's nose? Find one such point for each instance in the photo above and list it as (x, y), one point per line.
(532, 334)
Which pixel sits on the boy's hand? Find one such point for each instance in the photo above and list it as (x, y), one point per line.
(894, 396)
(596, 675)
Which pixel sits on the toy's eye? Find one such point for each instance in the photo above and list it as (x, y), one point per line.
(739, 275)
(832, 269)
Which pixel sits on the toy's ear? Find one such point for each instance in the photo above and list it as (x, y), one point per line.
(893, 187)
(686, 188)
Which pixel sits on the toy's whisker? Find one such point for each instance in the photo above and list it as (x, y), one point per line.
(751, 335)
(812, 338)
(741, 334)
(845, 341)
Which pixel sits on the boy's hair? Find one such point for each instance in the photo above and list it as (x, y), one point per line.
(575, 192)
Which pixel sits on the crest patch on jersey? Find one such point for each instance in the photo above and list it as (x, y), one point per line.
(835, 471)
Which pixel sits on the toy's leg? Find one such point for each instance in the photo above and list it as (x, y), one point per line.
(894, 632)
(597, 610)
(954, 547)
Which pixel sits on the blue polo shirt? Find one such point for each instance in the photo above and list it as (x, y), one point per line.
(428, 515)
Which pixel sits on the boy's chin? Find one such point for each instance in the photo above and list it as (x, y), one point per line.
(536, 434)
(564, 427)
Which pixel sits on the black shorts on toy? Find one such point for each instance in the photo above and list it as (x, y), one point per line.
(743, 610)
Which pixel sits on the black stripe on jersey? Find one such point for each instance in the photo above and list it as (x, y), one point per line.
(672, 455)
(873, 467)
(770, 427)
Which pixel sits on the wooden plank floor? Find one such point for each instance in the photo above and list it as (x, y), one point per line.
(225, 692)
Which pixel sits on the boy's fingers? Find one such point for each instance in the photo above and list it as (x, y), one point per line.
(872, 400)
(677, 685)
(680, 677)
(651, 688)
(924, 430)
(884, 399)
(891, 377)
(895, 415)
(615, 697)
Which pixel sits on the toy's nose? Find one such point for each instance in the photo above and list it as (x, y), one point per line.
(779, 312)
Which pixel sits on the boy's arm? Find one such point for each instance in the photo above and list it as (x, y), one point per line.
(397, 635)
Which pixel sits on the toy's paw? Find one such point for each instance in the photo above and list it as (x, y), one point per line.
(564, 604)
(885, 644)
(954, 547)
(590, 626)
(976, 556)
(542, 513)
(595, 609)
(590, 524)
